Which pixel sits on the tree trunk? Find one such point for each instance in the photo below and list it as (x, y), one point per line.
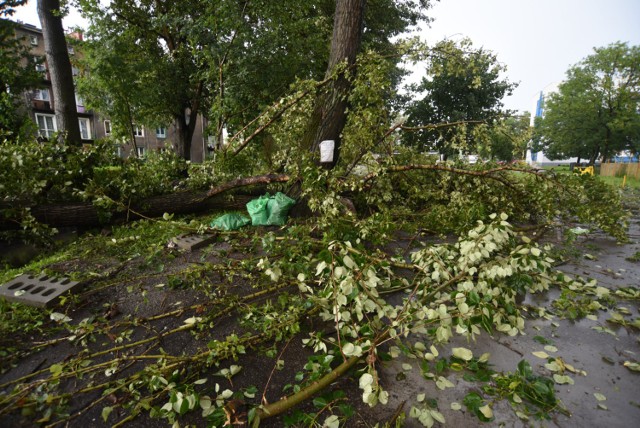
(60, 71)
(329, 115)
(185, 128)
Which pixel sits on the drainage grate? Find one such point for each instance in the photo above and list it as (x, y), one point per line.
(35, 291)
(193, 242)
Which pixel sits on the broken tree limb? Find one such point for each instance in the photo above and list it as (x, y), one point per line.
(489, 173)
(291, 401)
(85, 214)
(248, 181)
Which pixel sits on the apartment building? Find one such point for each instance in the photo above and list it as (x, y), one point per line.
(41, 104)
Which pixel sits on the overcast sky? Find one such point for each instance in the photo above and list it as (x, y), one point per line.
(536, 39)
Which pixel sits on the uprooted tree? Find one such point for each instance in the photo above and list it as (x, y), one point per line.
(337, 287)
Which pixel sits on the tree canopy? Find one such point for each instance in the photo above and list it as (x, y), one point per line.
(594, 113)
(225, 60)
(507, 139)
(461, 84)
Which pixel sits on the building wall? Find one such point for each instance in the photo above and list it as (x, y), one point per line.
(148, 141)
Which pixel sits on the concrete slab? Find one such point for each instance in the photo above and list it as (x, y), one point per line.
(39, 291)
(192, 242)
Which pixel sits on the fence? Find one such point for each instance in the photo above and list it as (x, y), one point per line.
(620, 169)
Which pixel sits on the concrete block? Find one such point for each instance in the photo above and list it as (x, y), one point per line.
(192, 242)
(39, 291)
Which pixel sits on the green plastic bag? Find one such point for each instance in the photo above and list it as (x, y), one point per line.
(270, 210)
(278, 208)
(258, 210)
(231, 221)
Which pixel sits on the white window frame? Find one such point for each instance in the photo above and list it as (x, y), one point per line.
(34, 40)
(46, 131)
(85, 133)
(138, 131)
(107, 127)
(41, 94)
(161, 132)
(141, 151)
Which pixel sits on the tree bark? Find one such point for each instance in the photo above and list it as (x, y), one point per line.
(329, 116)
(60, 71)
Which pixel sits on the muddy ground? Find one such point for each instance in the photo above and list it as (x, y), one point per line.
(143, 301)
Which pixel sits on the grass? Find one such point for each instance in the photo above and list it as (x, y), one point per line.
(631, 182)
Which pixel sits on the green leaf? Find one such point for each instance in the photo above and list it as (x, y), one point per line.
(524, 368)
(541, 354)
(365, 380)
(562, 379)
(106, 411)
(56, 369)
(320, 402)
(599, 396)
(462, 353)
(486, 411)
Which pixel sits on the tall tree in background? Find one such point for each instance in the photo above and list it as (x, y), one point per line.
(595, 111)
(461, 84)
(17, 75)
(507, 139)
(60, 71)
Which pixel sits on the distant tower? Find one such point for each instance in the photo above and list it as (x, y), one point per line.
(537, 113)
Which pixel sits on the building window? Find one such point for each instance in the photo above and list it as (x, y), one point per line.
(41, 94)
(79, 104)
(40, 67)
(46, 125)
(70, 50)
(85, 128)
(141, 151)
(107, 128)
(34, 40)
(161, 132)
(138, 131)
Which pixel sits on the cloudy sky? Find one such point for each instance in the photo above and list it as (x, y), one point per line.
(537, 40)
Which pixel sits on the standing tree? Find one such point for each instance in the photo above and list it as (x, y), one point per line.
(17, 74)
(330, 111)
(595, 111)
(60, 71)
(461, 84)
